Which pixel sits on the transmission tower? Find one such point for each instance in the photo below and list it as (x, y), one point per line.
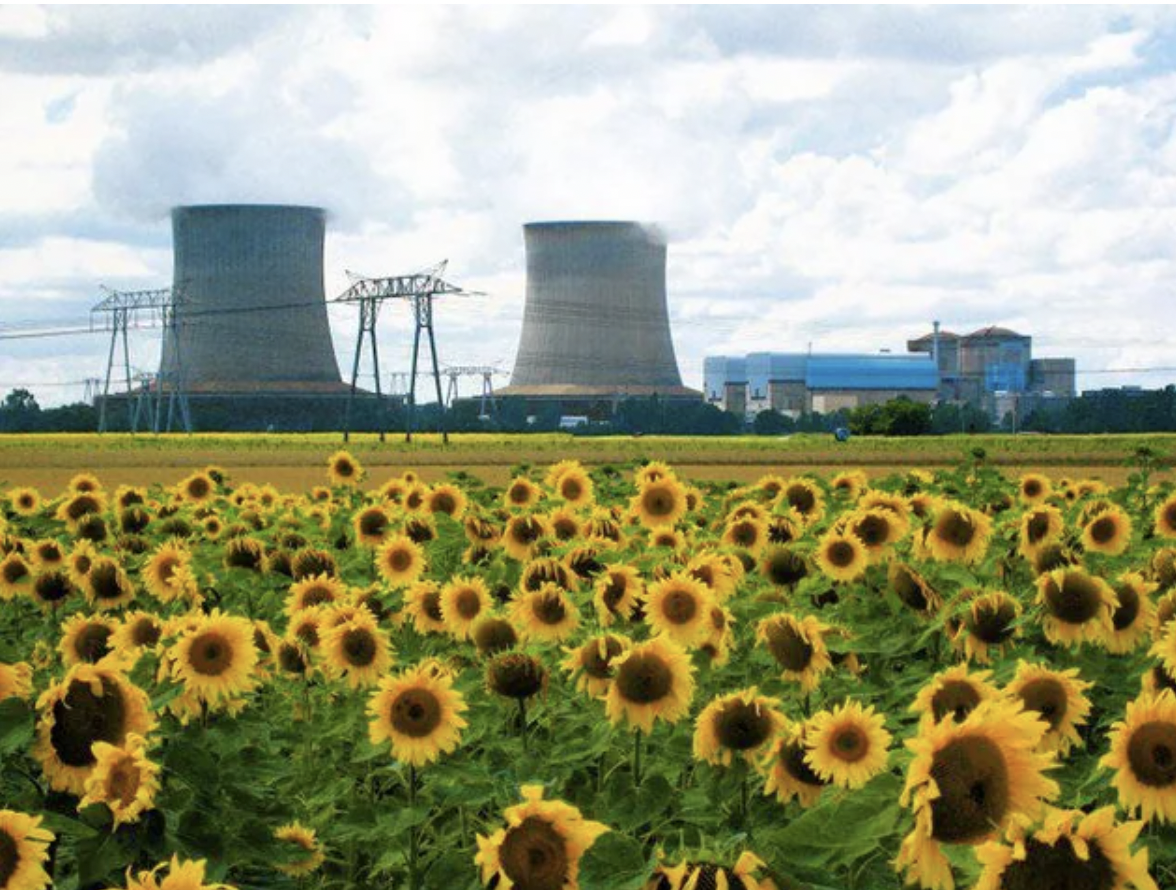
(419, 289)
(144, 308)
(486, 372)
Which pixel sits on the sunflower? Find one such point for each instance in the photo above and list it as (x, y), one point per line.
(91, 703)
(988, 623)
(654, 679)
(1034, 488)
(548, 570)
(492, 634)
(877, 529)
(679, 607)
(546, 614)
(1078, 606)
(521, 494)
(1163, 567)
(123, 778)
(78, 507)
(803, 497)
(480, 530)
(652, 471)
(967, 781)
(1094, 855)
(716, 571)
(749, 534)
(1135, 615)
(24, 501)
(244, 553)
(51, 588)
(522, 535)
(954, 693)
(422, 602)
(305, 627)
(913, 589)
(669, 538)
(659, 503)
(136, 632)
(400, 561)
(1055, 555)
(16, 576)
(159, 573)
(16, 680)
(86, 639)
(798, 646)
(564, 524)
(1165, 517)
(841, 557)
(317, 590)
(574, 487)
(787, 772)
(1039, 527)
(357, 649)
(783, 567)
(540, 847)
(305, 844)
(592, 663)
(1057, 697)
(1143, 755)
(418, 713)
(197, 488)
(47, 554)
(516, 675)
(602, 527)
(697, 875)
(849, 484)
(958, 534)
(343, 469)
(463, 601)
(616, 593)
(371, 525)
(180, 876)
(24, 847)
(740, 723)
(215, 660)
(1108, 532)
(848, 745)
(447, 499)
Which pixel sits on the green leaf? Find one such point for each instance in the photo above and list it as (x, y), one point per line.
(614, 862)
(16, 726)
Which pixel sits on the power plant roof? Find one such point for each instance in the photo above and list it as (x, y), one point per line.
(871, 372)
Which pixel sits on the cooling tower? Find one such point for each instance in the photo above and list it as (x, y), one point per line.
(254, 317)
(595, 322)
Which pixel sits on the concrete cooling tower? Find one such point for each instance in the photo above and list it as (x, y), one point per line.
(254, 316)
(595, 322)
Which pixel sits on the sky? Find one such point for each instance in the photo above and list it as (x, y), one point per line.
(831, 178)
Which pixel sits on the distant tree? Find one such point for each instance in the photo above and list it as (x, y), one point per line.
(772, 423)
(19, 412)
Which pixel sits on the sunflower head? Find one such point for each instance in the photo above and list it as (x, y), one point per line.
(1057, 697)
(787, 771)
(1077, 606)
(24, 501)
(1165, 517)
(1034, 488)
(521, 494)
(798, 646)
(344, 470)
(447, 499)
(959, 534)
(463, 600)
(574, 487)
(617, 592)
(306, 853)
(357, 649)
(782, 566)
(492, 634)
(516, 675)
(216, 658)
(679, 607)
(24, 849)
(841, 557)
(418, 713)
(523, 534)
(953, 695)
(123, 779)
(912, 589)
(660, 503)
(653, 680)
(547, 614)
(989, 624)
(1143, 755)
(738, 724)
(1108, 532)
(593, 662)
(847, 746)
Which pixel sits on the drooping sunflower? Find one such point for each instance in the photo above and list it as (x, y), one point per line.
(91, 703)
(849, 484)
(1133, 619)
(422, 603)
(1164, 647)
(988, 624)
(16, 680)
(446, 498)
(1095, 854)
(305, 844)
(243, 552)
(306, 627)
(679, 607)
(522, 535)
(798, 646)
(371, 525)
(137, 632)
(400, 561)
(1056, 555)
(953, 694)
(787, 772)
(16, 576)
(913, 589)
(1039, 526)
(74, 509)
(24, 501)
(716, 571)
(343, 469)
(540, 847)
(699, 873)
(463, 600)
(181, 875)
(1034, 488)
(546, 614)
(493, 634)
(24, 848)
(124, 779)
(1077, 606)
(1109, 532)
(841, 557)
(548, 570)
(564, 524)
(738, 724)
(418, 712)
(79, 561)
(316, 590)
(959, 534)
(1057, 697)
(216, 659)
(804, 498)
(575, 487)
(592, 663)
(660, 503)
(47, 553)
(616, 593)
(1143, 755)
(877, 529)
(1163, 567)
(357, 649)
(521, 494)
(516, 675)
(967, 781)
(1165, 517)
(783, 566)
(51, 589)
(848, 745)
(86, 639)
(654, 680)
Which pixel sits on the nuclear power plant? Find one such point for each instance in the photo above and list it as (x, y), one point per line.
(253, 311)
(596, 328)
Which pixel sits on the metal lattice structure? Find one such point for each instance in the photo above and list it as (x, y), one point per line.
(419, 289)
(454, 373)
(118, 312)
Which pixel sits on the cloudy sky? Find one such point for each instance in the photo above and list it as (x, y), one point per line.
(833, 176)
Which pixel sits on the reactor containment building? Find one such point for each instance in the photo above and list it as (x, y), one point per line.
(596, 329)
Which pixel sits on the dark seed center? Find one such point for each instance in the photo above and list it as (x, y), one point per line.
(955, 698)
(1059, 868)
(1076, 601)
(974, 790)
(359, 646)
(679, 607)
(1151, 752)
(791, 650)
(741, 726)
(1047, 697)
(416, 713)
(82, 718)
(644, 678)
(535, 856)
(1128, 609)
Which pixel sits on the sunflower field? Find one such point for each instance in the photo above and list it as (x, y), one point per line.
(610, 680)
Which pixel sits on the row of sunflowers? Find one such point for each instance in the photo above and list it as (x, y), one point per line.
(608, 679)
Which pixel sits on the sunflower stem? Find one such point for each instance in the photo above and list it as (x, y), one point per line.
(743, 820)
(807, 706)
(523, 722)
(637, 758)
(413, 878)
